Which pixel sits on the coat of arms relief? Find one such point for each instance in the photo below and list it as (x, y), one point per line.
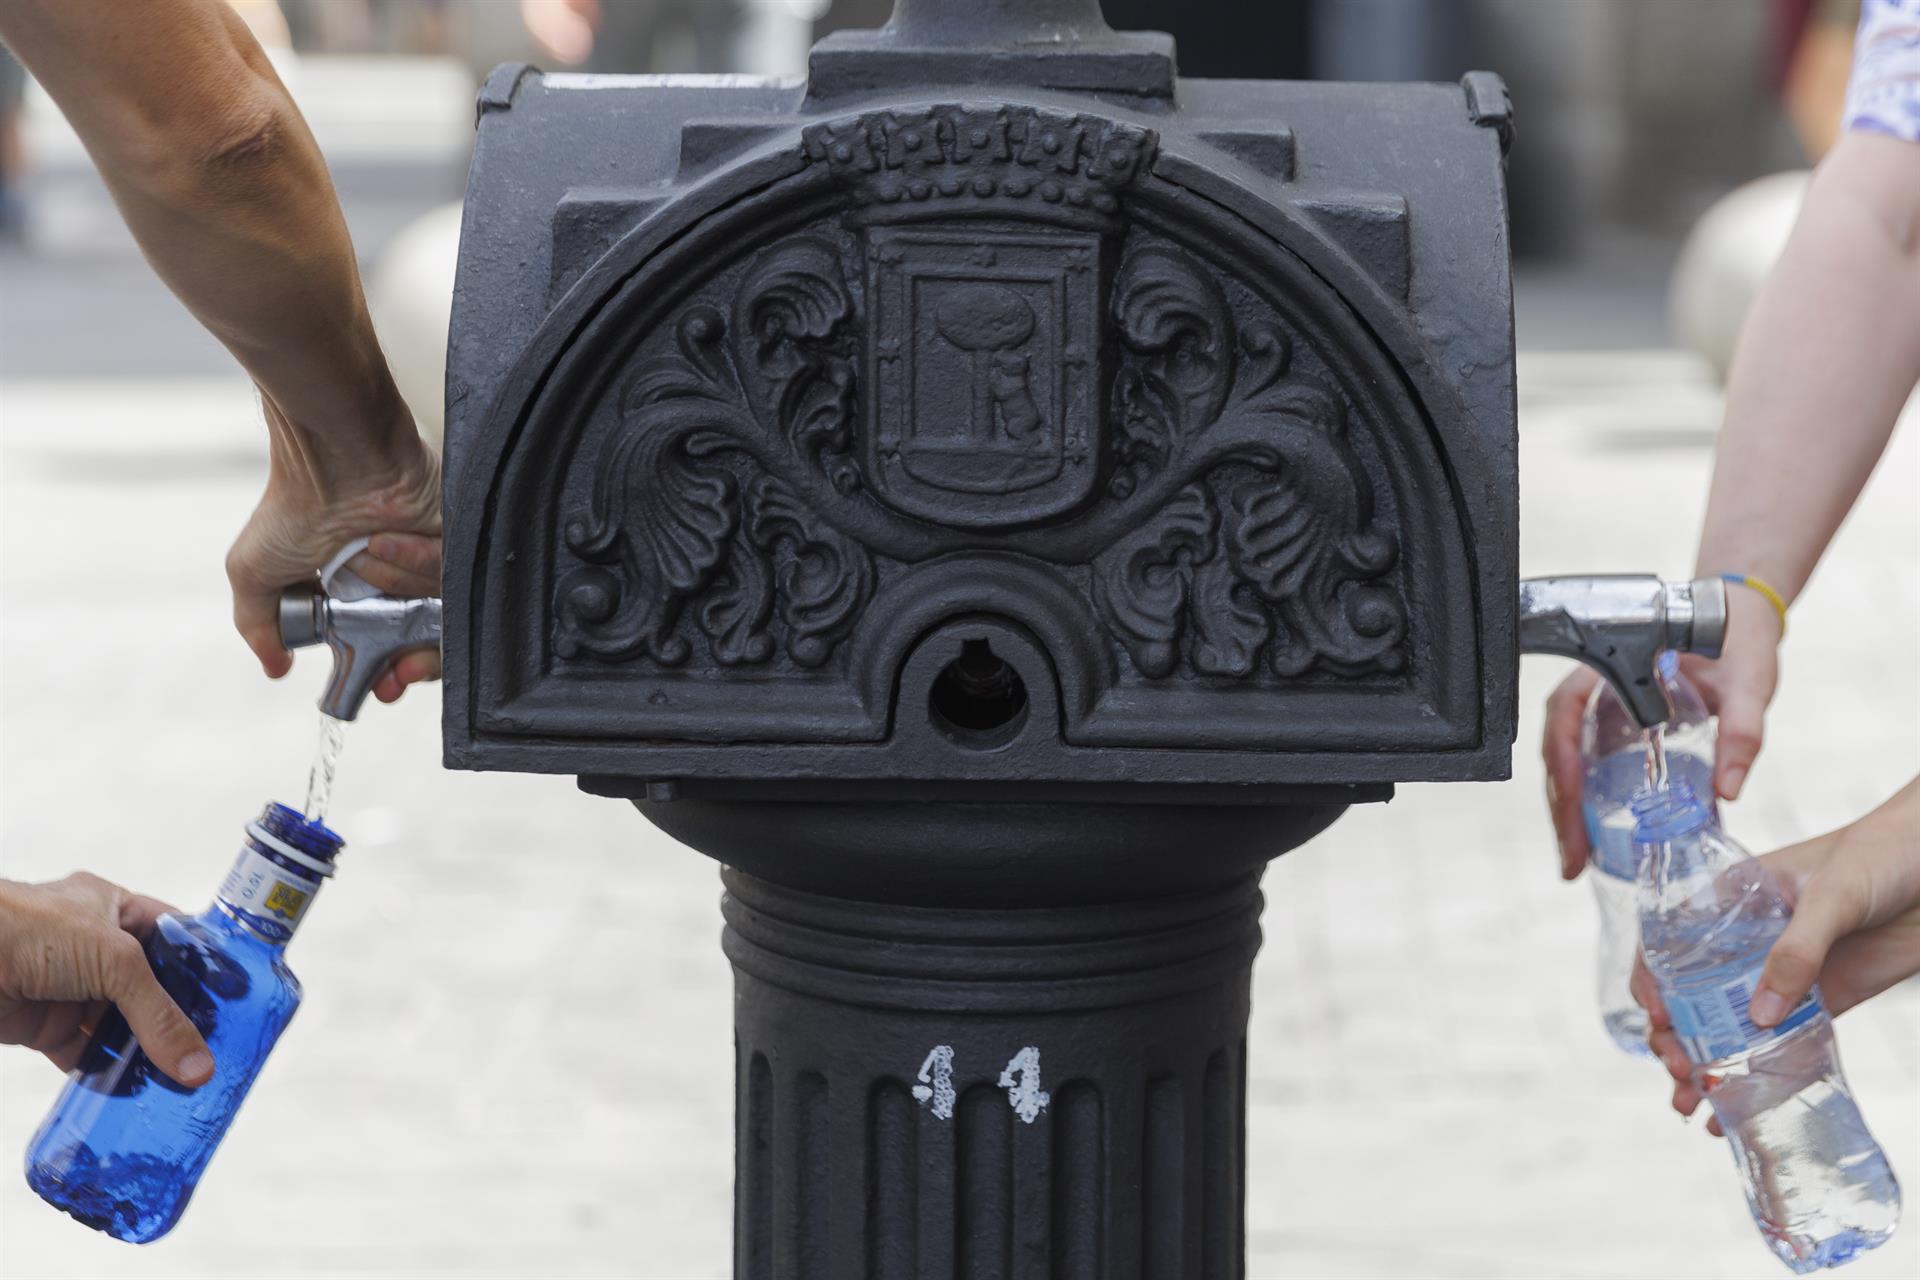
(982, 352)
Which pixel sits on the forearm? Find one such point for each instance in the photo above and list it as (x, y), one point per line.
(1828, 356)
(225, 190)
(1885, 846)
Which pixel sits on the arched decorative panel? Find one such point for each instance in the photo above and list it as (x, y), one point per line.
(859, 374)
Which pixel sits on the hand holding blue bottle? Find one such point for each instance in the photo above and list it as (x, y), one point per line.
(71, 948)
(124, 1146)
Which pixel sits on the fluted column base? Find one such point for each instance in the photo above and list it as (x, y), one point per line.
(1055, 1092)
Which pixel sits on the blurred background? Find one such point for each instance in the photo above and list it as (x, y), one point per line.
(514, 1058)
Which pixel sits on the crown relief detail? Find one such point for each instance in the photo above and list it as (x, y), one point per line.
(951, 154)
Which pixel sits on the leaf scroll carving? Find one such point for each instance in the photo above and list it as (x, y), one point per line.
(824, 576)
(1300, 537)
(1144, 582)
(1273, 550)
(685, 507)
(1175, 321)
(789, 312)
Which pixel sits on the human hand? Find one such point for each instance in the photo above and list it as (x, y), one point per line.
(1737, 686)
(1855, 929)
(1560, 749)
(71, 948)
(302, 522)
(564, 29)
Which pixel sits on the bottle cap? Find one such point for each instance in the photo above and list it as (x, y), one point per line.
(1668, 813)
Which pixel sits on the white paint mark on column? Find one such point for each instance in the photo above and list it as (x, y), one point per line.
(1021, 1080)
(936, 1082)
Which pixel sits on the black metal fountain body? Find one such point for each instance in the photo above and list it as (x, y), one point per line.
(992, 497)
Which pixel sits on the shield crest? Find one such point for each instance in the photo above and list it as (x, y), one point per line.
(984, 351)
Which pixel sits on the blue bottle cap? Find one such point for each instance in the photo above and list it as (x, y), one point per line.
(1669, 813)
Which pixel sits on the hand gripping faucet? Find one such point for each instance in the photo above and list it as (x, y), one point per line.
(365, 636)
(1618, 623)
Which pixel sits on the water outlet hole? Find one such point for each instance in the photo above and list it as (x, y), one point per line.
(978, 700)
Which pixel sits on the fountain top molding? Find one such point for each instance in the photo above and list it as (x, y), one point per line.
(994, 415)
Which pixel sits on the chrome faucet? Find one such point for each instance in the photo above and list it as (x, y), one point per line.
(1615, 623)
(365, 636)
(1618, 624)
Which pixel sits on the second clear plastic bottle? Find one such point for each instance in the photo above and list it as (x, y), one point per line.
(1613, 755)
(1817, 1183)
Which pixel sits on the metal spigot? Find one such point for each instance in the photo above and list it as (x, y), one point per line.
(1618, 624)
(365, 636)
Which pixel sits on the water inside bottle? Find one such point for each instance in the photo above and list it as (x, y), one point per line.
(1818, 1185)
(326, 758)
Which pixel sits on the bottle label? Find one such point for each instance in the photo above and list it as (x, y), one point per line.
(1710, 1012)
(1614, 852)
(267, 896)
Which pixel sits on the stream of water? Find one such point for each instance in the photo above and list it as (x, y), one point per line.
(1657, 758)
(326, 758)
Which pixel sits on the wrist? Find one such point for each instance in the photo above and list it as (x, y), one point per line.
(1760, 587)
(1752, 620)
(374, 448)
(1753, 579)
(1752, 558)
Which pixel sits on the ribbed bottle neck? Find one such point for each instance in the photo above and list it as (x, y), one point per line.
(277, 873)
(1670, 814)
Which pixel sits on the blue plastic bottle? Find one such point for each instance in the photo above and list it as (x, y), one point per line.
(124, 1147)
(1818, 1185)
(1613, 754)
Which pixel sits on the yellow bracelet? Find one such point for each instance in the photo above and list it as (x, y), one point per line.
(1766, 592)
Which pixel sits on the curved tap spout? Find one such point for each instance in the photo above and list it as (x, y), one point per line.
(1618, 624)
(365, 636)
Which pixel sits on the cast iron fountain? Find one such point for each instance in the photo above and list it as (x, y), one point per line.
(993, 497)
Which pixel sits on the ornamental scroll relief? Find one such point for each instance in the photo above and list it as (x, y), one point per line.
(671, 522)
(1279, 554)
(981, 379)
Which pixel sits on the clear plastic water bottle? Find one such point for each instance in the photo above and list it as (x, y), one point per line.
(124, 1146)
(1817, 1183)
(1613, 754)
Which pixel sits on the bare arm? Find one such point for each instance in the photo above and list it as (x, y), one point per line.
(1828, 355)
(222, 184)
(1826, 360)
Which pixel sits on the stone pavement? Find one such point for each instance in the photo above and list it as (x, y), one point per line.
(514, 1058)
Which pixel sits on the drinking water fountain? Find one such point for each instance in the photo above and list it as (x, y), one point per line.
(993, 497)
